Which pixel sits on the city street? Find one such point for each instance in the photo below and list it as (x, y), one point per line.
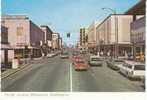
(58, 75)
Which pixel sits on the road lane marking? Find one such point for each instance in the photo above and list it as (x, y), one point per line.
(70, 77)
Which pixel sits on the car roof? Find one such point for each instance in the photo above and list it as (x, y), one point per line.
(94, 57)
(117, 59)
(134, 63)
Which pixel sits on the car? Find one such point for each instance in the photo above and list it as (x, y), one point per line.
(50, 55)
(75, 53)
(64, 55)
(133, 69)
(143, 81)
(114, 62)
(80, 64)
(3, 67)
(95, 61)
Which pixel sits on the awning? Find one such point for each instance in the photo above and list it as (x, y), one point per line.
(29, 47)
(6, 47)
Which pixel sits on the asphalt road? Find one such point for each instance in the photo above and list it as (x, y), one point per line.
(58, 75)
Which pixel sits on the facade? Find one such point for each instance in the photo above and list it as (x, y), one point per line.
(46, 47)
(22, 33)
(138, 9)
(138, 36)
(83, 38)
(138, 29)
(48, 33)
(60, 43)
(115, 29)
(55, 41)
(92, 36)
(5, 48)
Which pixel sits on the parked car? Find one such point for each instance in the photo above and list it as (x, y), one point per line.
(133, 69)
(95, 61)
(143, 82)
(113, 63)
(64, 55)
(80, 64)
(50, 55)
(3, 67)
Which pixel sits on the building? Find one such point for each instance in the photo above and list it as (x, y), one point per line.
(114, 30)
(92, 38)
(138, 36)
(48, 33)
(23, 34)
(5, 47)
(60, 43)
(47, 46)
(83, 38)
(138, 27)
(138, 9)
(55, 41)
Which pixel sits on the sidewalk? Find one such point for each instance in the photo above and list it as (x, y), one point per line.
(9, 72)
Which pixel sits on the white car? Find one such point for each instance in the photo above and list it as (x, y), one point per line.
(51, 55)
(114, 63)
(64, 55)
(95, 61)
(133, 69)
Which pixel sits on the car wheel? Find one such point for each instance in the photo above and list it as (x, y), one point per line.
(127, 74)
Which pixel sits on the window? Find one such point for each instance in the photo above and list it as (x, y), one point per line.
(139, 67)
(19, 31)
(96, 59)
(127, 65)
(119, 61)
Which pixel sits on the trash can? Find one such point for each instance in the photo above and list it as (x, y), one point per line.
(15, 63)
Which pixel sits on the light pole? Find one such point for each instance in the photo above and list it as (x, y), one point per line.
(116, 30)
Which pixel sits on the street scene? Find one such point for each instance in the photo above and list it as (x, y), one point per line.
(69, 49)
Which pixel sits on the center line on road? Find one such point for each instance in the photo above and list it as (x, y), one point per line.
(70, 77)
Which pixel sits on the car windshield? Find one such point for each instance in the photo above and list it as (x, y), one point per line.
(127, 65)
(65, 53)
(75, 54)
(95, 59)
(139, 67)
(80, 61)
(118, 61)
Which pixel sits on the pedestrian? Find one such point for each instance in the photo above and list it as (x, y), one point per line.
(108, 53)
(98, 54)
(101, 53)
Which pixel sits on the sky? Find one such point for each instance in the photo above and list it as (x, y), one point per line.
(65, 16)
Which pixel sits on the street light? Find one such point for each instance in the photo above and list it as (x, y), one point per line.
(116, 30)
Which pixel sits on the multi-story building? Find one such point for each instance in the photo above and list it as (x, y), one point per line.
(138, 28)
(55, 41)
(138, 36)
(23, 33)
(83, 38)
(115, 29)
(138, 9)
(47, 47)
(92, 38)
(5, 47)
(60, 43)
(48, 33)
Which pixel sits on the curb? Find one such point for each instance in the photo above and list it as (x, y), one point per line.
(19, 69)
